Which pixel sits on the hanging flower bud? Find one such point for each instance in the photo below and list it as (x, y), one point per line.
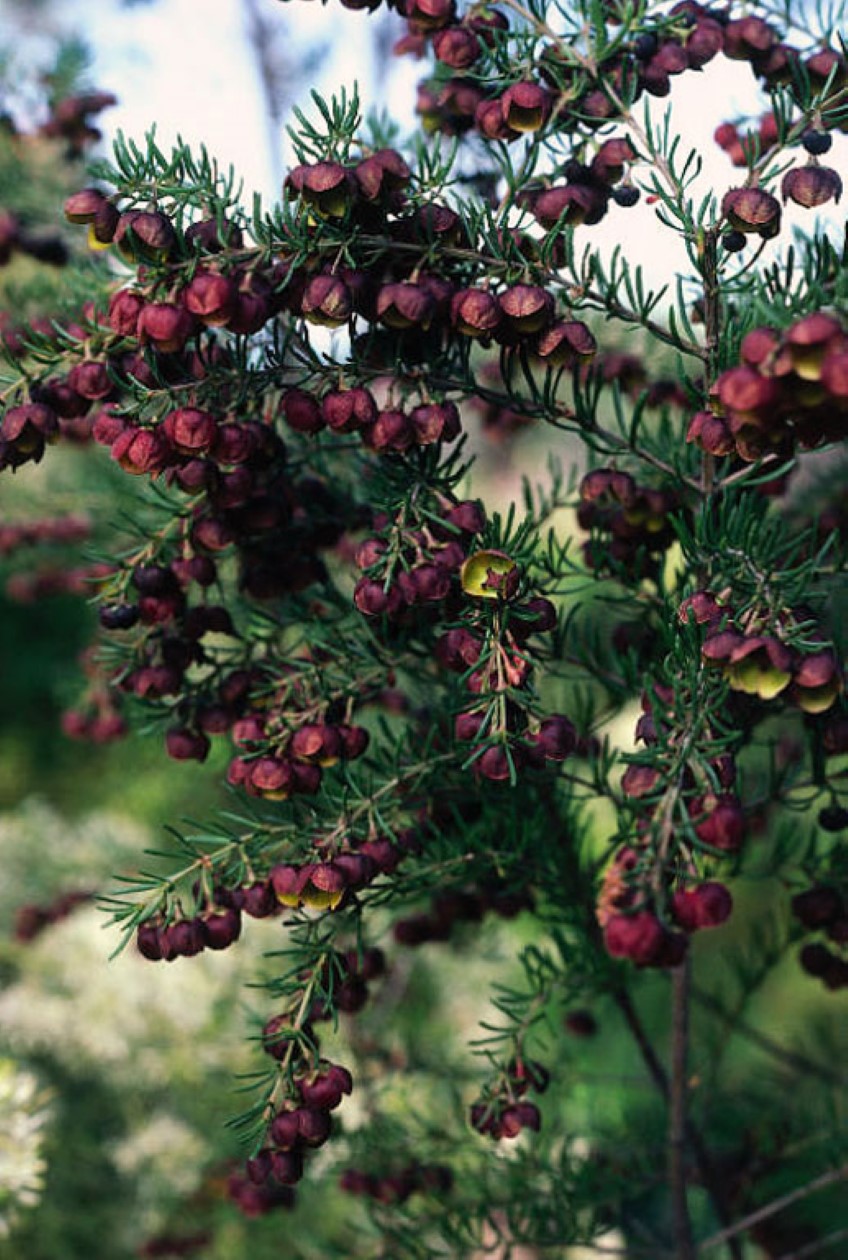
(811, 185)
(526, 106)
(752, 210)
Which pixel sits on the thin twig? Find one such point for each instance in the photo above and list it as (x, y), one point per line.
(817, 1247)
(678, 1087)
(777, 1205)
(792, 1058)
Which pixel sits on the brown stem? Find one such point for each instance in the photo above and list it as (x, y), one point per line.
(657, 1071)
(712, 300)
(678, 1088)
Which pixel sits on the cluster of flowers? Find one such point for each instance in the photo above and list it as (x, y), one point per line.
(390, 428)
(646, 912)
(333, 877)
(16, 239)
(31, 919)
(254, 1199)
(635, 928)
(171, 1245)
(72, 528)
(408, 567)
(579, 96)
(70, 120)
(403, 297)
(306, 1125)
(757, 661)
(154, 598)
(96, 717)
(503, 1111)
(215, 927)
(506, 738)
(30, 586)
(315, 1087)
(459, 905)
(321, 884)
(409, 570)
(351, 973)
(741, 147)
(585, 194)
(824, 908)
(276, 762)
(571, 93)
(397, 1186)
(791, 387)
(752, 210)
(630, 523)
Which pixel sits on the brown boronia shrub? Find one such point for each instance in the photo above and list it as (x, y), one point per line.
(422, 697)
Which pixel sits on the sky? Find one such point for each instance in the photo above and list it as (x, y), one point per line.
(187, 66)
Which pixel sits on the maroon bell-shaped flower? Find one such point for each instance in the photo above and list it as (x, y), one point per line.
(346, 410)
(141, 451)
(326, 187)
(314, 1125)
(611, 158)
(706, 906)
(457, 47)
(210, 296)
(383, 172)
(811, 185)
(711, 433)
(748, 38)
(327, 301)
(759, 346)
(638, 937)
(145, 236)
(372, 600)
(572, 204)
(316, 742)
(490, 122)
(566, 343)
(556, 737)
(475, 312)
(816, 681)
(82, 206)
(165, 326)
(184, 744)
(703, 42)
(190, 430)
(221, 927)
(719, 821)
(817, 907)
(90, 380)
(435, 422)
(301, 411)
(752, 210)
(125, 307)
(24, 432)
(743, 389)
(526, 106)
(428, 15)
(527, 308)
(326, 1089)
(391, 431)
(518, 1116)
(405, 305)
